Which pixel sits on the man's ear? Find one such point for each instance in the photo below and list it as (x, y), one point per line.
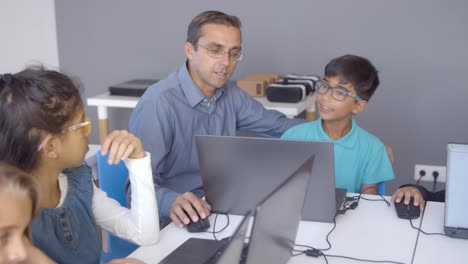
(189, 50)
(360, 106)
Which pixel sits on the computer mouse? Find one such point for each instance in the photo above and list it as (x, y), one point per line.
(200, 226)
(407, 211)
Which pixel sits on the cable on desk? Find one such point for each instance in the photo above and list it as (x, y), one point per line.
(426, 233)
(214, 232)
(364, 260)
(350, 203)
(367, 199)
(313, 252)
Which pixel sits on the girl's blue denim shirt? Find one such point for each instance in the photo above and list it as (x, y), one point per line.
(68, 234)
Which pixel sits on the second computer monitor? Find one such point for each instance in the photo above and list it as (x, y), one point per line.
(277, 219)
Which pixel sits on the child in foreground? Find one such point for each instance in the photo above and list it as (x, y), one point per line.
(44, 131)
(19, 196)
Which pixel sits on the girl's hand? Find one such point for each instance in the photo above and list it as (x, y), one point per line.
(121, 145)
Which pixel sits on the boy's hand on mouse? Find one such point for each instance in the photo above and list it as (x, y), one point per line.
(122, 144)
(406, 193)
(188, 205)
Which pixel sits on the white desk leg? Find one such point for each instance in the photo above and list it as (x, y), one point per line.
(103, 123)
(310, 111)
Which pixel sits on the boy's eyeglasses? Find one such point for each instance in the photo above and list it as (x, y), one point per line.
(218, 53)
(338, 93)
(85, 126)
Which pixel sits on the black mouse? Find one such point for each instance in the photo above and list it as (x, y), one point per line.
(200, 226)
(407, 211)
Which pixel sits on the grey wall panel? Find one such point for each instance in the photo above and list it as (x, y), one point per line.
(418, 46)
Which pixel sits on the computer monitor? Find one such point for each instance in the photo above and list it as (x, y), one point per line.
(277, 219)
(233, 251)
(456, 213)
(238, 172)
(208, 251)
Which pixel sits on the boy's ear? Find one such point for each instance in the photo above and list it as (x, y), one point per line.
(360, 106)
(189, 50)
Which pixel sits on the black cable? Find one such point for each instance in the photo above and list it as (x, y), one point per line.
(313, 252)
(435, 175)
(327, 238)
(426, 233)
(363, 260)
(350, 203)
(381, 196)
(376, 200)
(421, 174)
(214, 232)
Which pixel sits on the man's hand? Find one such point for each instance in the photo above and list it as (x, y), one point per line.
(188, 205)
(406, 193)
(122, 144)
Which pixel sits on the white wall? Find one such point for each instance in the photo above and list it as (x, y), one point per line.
(28, 34)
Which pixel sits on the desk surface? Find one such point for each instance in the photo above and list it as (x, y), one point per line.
(438, 248)
(371, 231)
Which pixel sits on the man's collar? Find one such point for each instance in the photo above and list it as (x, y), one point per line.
(192, 93)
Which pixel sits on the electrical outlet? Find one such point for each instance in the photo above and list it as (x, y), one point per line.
(428, 171)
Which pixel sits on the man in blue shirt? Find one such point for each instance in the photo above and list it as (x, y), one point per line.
(198, 99)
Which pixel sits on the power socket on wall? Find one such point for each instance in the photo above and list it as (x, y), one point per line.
(426, 172)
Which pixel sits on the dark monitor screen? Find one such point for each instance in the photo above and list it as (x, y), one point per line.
(238, 172)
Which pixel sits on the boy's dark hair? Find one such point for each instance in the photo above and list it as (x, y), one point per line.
(209, 17)
(33, 103)
(16, 180)
(357, 71)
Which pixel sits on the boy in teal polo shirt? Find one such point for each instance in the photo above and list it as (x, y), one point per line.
(361, 160)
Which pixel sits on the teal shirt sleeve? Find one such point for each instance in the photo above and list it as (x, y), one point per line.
(379, 167)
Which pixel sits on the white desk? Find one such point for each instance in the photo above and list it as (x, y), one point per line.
(371, 231)
(104, 101)
(437, 248)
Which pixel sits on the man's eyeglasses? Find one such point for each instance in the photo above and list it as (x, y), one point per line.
(338, 93)
(218, 53)
(85, 126)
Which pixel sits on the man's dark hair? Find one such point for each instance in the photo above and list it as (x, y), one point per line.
(209, 17)
(357, 71)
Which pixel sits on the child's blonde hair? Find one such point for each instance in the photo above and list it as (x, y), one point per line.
(16, 180)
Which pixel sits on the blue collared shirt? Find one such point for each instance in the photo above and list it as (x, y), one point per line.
(174, 110)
